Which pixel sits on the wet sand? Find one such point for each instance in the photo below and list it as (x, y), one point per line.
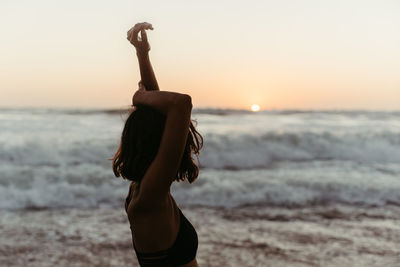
(314, 236)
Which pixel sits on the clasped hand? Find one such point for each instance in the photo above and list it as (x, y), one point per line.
(140, 42)
(140, 90)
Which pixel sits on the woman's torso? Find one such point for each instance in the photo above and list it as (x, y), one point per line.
(160, 229)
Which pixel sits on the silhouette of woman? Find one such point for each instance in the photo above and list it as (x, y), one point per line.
(157, 144)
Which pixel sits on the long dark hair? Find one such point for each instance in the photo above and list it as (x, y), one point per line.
(140, 140)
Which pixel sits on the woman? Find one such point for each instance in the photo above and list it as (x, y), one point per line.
(156, 149)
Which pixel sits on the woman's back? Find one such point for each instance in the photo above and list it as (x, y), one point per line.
(152, 229)
(161, 237)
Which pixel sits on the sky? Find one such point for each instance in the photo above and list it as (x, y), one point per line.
(287, 54)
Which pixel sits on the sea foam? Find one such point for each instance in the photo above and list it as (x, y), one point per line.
(55, 159)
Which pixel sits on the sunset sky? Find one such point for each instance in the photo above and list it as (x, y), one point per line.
(307, 54)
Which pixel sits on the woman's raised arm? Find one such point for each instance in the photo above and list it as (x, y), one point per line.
(142, 51)
(158, 178)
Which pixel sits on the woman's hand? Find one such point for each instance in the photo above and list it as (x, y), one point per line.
(139, 91)
(140, 42)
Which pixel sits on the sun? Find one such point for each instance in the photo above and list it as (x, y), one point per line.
(255, 108)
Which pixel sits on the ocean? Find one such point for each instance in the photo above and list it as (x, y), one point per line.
(276, 188)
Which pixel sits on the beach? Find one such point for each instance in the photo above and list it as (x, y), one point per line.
(276, 188)
(245, 237)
